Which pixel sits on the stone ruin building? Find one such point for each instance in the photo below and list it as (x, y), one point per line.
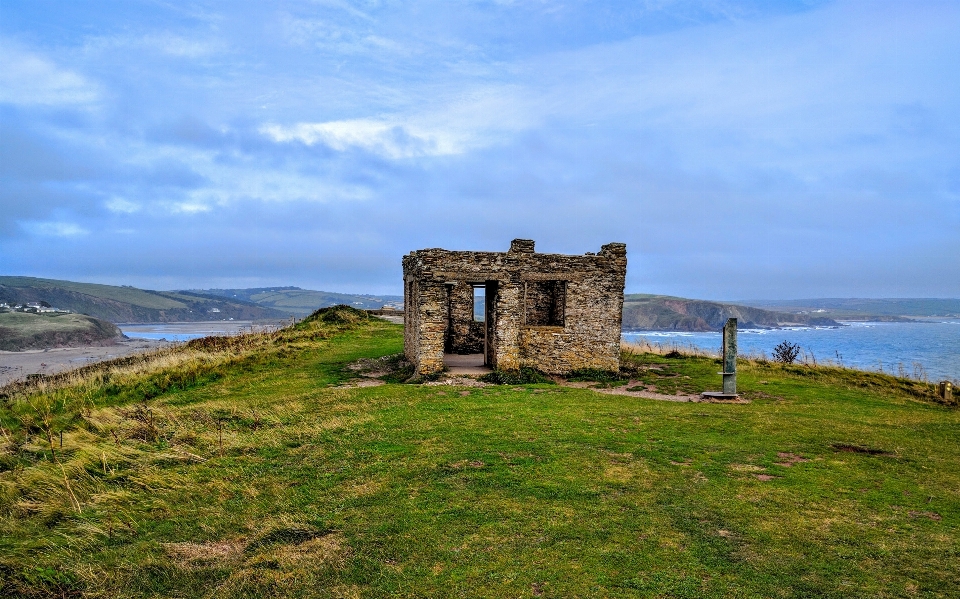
(508, 310)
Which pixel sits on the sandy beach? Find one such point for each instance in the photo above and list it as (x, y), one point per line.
(17, 365)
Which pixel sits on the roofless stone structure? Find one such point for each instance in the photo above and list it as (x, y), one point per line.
(552, 312)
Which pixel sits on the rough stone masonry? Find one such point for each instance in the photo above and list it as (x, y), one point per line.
(552, 312)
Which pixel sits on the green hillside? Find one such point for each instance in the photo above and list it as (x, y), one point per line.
(264, 466)
(302, 302)
(122, 294)
(21, 331)
(128, 304)
(665, 313)
(854, 308)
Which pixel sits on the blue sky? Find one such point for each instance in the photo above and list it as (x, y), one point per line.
(740, 149)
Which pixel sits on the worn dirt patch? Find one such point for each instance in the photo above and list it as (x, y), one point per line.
(362, 383)
(462, 464)
(746, 468)
(457, 381)
(327, 548)
(363, 488)
(850, 448)
(765, 477)
(624, 390)
(618, 473)
(932, 515)
(376, 368)
(789, 459)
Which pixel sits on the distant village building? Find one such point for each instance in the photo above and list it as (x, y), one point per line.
(32, 308)
(514, 309)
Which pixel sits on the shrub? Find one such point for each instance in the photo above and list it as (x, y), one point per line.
(594, 374)
(524, 376)
(339, 314)
(786, 352)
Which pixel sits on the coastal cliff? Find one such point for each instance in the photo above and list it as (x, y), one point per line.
(665, 313)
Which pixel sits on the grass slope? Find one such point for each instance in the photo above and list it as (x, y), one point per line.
(126, 295)
(24, 330)
(246, 468)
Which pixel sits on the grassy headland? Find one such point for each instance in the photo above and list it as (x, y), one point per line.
(256, 466)
(24, 330)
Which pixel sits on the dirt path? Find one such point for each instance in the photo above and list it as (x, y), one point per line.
(622, 390)
(17, 365)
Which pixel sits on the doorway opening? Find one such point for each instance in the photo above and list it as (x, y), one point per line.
(468, 330)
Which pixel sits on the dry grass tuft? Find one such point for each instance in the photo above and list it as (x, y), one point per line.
(193, 555)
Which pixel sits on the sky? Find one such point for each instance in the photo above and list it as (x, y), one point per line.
(753, 149)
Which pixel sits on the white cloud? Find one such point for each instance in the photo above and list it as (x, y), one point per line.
(189, 207)
(392, 140)
(174, 45)
(123, 206)
(162, 42)
(455, 121)
(54, 228)
(29, 79)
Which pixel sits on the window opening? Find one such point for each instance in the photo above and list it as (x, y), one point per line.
(545, 302)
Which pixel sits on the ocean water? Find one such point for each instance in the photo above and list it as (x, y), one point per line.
(910, 348)
(184, 331)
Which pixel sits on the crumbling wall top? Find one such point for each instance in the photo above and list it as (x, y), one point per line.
(522, 246)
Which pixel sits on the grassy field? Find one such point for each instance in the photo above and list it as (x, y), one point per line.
(258, 467)
(128, 295)
(24, 330)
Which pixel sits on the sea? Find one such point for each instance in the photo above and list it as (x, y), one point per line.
(185, 331)
(928, 349)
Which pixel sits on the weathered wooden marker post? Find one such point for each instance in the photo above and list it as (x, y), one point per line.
(729, 364)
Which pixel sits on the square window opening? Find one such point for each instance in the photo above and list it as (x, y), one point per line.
(545, 303)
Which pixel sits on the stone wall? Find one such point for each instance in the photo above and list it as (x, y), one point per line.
(552, 312)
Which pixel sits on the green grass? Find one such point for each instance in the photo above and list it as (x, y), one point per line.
(26, 330)
(320, 489)
(28, 323)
